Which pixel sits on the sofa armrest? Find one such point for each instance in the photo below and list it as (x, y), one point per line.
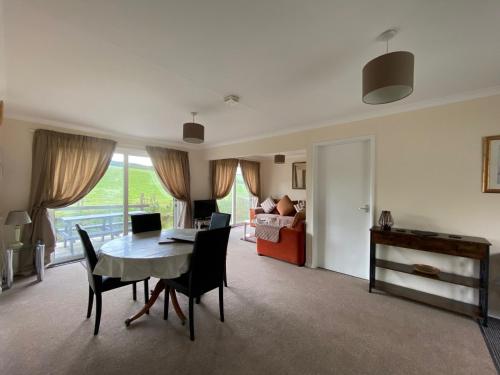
(253, 213)
(256, 210)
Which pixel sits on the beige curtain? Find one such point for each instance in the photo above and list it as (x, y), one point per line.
(222, 174)
(172, 166)
(65, 168)
(251, 175)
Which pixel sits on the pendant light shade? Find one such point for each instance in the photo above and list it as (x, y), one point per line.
(388, 78)
(279, 159)
(193, 132)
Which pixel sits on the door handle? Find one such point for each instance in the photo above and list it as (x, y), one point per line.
(365, 208)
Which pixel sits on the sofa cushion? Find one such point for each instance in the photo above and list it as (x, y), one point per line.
(299, 216)
(285, 206)
(268, 205)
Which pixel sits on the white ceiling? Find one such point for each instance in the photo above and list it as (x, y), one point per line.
(138, 68)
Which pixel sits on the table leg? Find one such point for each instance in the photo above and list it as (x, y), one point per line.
(372, 265)
(160, 285)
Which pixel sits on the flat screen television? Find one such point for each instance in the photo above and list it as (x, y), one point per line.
(204, 208)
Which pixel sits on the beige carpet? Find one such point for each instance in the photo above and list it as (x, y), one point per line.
(280, 319)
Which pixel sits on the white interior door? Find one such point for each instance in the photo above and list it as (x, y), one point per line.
(344, 207)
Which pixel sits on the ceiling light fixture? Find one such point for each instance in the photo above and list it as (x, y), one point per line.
(193, 132)
(389, 77)
(279, 159)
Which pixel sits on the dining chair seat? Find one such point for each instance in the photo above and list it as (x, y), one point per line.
(110, 283)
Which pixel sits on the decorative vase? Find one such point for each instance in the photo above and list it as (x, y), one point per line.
(385, 221)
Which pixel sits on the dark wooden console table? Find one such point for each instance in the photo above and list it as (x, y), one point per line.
(463, 246)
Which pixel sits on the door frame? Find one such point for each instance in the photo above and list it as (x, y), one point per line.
(315, 149)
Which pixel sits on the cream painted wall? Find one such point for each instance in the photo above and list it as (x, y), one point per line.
(428, 173)
(276, 179)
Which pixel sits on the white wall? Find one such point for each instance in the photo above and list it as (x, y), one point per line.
(276, 179)
(428, 173)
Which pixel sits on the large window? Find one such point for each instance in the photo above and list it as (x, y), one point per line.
(130, 185)
(238, 201)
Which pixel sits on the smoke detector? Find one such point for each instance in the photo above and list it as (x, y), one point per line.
(232, 99)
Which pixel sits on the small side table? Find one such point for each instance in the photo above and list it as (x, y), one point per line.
(247, 236)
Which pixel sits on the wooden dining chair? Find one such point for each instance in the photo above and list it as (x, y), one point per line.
(100, 284)
(145, 222)
(206, 271)
(220, 220)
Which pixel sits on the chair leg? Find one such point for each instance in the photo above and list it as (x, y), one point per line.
(91, 302)
(146, 293)
(221, 302)
(165, 302)
(134, 291)
(98, 308)
(191, 319)
(225, 277)
(198, 299)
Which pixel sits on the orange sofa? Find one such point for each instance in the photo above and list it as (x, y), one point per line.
(290, 248)
(259, 210)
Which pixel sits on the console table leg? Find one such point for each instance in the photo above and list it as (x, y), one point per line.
(483, 288)
(372, 265)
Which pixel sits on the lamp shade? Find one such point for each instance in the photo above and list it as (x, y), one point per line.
(279, 159)
(193, 132)
(388, 78)
(17, 218)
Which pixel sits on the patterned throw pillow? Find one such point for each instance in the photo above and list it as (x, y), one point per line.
(300, 206)
(268, 205)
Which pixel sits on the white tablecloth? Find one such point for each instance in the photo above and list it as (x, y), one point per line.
(138, 256)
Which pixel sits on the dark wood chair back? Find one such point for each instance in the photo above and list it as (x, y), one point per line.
(90, 258)
(88, 248)
(219, 220)
(208, 260)
(145, 222)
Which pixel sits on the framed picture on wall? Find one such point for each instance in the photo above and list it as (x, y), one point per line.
(491, 164)
(299, 175)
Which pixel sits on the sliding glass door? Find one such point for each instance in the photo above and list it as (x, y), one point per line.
(238, 201)
(130, 185)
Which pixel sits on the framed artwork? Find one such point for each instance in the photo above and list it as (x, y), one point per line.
(491, 164)
(299, 175)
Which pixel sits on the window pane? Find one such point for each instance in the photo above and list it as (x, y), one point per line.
(243, 199)
(226, 204)
(146, 192)
(100, 212)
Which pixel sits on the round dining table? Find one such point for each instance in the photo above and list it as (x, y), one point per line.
(161, 254)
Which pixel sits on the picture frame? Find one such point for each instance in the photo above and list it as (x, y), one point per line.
(299, 175)
(491, 164)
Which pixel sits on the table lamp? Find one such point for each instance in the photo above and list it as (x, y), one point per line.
(17, 218)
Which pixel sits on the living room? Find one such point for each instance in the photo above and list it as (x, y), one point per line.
(287, 96)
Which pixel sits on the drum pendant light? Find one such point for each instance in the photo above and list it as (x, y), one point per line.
(389, 77)
(193, 132)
